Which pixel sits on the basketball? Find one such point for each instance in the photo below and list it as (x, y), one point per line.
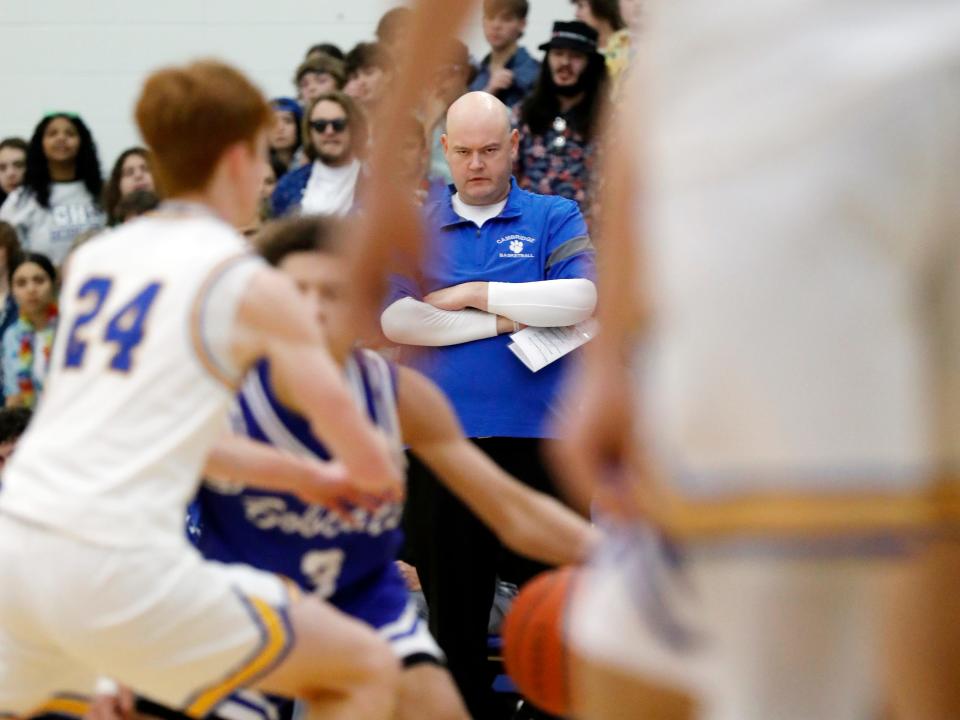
(534, 642)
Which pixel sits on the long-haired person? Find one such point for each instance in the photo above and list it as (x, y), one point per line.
(558, 120)
(335, 141)
(27, 342)
(285, 136)
(59, 198)
(131, 172)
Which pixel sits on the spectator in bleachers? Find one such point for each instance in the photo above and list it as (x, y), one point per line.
(557, 122)
(392, 30)
(368, 70)
(61, 189)
(134, 204)
(613, 35)
(285, 137)
(452, 80)
(28, 341)
(603, 16)
(318, 75)
(336, 139)
(13, 165)
(328, 49)
(507, 71)
(130, 172)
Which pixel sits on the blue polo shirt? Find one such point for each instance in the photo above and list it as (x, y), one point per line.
(535, 237)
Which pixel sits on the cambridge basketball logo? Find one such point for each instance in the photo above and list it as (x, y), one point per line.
(517, 246)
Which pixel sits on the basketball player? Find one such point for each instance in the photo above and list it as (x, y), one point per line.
(794, 206)
(160, 319)
(350, 561)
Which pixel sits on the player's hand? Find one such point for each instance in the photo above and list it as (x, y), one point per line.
(598, 459)
(112, 706)
(384, 481)
(500, 79)
(458, 297)
(328, 484)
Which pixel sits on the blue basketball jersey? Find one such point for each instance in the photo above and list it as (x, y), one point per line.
(349, 561)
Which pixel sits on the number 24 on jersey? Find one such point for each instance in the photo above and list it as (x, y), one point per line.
(125, 329)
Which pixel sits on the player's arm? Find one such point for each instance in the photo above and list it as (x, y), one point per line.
(599, 427)
(236, 459)
(528, 522)
(274, 321)
(390, 224)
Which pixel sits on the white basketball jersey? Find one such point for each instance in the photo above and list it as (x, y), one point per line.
(802, 242)
(137, 391)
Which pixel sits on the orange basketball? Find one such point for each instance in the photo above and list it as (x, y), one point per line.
(534, 643)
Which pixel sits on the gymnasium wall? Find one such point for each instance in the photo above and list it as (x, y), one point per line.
(89, 56)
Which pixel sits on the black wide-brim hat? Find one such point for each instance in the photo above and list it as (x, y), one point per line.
(573, 35)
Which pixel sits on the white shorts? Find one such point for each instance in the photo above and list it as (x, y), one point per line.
(750, 636)
(410, 639)
(408, 636)
(175, 628)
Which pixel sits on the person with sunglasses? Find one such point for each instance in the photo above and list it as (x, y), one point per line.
(335, 137)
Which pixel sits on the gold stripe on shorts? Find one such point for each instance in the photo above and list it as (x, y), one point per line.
(72, 705)
(785, 514)
(275, 643)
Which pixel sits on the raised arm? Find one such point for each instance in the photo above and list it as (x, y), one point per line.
(386, 202)
(526, 521)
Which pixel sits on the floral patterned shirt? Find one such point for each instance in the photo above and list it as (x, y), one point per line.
(557, 162)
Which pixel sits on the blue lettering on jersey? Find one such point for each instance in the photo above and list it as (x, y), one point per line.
(345, 559)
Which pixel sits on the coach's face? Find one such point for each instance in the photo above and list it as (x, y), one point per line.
(480, 148)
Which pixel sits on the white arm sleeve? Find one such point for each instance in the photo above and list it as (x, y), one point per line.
(412, 322)
(546, 303)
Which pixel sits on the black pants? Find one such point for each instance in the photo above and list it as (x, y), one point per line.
(459, 559)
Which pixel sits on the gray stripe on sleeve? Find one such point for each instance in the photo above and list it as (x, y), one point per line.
(573, 246)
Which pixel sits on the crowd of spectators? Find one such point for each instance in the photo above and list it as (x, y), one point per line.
(54, 195)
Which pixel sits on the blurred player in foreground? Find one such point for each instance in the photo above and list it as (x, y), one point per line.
(347, 555)
(160, 320)
(791, 419)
